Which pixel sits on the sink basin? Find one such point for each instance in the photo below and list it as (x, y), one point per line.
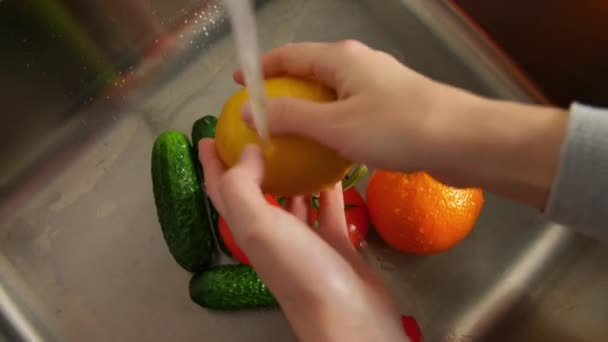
(83, 254)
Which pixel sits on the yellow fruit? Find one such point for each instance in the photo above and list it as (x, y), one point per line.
(294, 165)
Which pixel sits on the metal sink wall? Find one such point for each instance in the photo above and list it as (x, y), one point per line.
(83, 252)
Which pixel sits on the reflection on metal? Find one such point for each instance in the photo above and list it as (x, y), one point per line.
(482, 314)
(22, 317)
(89, 85)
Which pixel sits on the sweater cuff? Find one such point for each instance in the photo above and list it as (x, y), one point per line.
(579, 195)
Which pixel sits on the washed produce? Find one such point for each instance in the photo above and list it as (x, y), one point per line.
(357, 217)
(411, 328)
(417, 214)
(230, 287)
(294, 165)
(179, 201)
(205, 128)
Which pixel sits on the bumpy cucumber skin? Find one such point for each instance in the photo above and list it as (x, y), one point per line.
(230, 287)
(179, 201)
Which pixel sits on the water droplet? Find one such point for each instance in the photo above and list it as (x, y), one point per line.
(363, 244)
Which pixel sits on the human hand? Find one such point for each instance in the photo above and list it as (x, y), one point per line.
(327, 292)
(384, 112)
(388, 116)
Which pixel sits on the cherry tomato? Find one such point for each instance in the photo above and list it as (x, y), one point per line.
(228, 239)
(412, 330)
(357, 217)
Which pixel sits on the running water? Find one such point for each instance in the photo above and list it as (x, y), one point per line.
(244, 29)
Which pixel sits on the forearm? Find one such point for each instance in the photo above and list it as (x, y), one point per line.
(507, 148)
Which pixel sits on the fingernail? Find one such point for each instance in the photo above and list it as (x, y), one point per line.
(204, 141)
(247, 115)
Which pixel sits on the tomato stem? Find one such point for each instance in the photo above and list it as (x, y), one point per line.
(282, 201)
(357, 173)
(315, 202)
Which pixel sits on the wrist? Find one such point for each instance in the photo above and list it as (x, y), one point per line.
(508, 148)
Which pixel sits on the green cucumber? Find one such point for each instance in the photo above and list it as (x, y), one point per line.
(179, 201)
(230, 287)
(205, 128)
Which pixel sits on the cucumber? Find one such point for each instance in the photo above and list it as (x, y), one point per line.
(230, 287)
(205, 128)
(179, 201)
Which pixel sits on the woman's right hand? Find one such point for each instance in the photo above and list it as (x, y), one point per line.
(384, 112)
(388, 116)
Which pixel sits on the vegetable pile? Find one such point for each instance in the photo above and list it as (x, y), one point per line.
(194, 231)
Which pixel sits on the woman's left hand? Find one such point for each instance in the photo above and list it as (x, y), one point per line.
(325, 289)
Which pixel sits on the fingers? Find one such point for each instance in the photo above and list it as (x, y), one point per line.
(284, 250)
(299, 206)
(213, 168)
(314, 120)
(332, 220)
(306, 60)
(239, 190)
(333, 229)
(240, 184)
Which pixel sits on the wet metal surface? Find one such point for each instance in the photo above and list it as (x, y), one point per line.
(77, 218)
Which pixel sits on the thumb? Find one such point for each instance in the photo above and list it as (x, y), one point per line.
(289, 115)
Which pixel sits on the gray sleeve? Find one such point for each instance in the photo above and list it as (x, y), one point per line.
(579, 195)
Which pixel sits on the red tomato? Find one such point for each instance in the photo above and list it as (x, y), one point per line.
(412, 330)
(357, 216)
(228, 239)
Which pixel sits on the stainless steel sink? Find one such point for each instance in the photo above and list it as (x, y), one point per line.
(88, 86)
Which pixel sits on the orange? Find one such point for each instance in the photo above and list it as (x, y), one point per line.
(414, 213)
(294, 165)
